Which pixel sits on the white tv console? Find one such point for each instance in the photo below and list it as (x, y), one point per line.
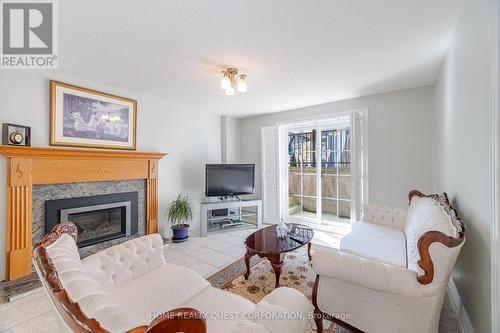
(246, 211)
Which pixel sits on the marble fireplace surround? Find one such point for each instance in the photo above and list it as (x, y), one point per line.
(28, 166)
(42, 193)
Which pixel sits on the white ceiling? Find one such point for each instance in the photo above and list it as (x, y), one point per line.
(296, 52)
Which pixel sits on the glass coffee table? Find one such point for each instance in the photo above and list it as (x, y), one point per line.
(266, 244)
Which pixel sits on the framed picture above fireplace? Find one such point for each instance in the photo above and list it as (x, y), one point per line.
(81, 117)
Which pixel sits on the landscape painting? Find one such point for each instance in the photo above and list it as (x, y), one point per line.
(87, 118)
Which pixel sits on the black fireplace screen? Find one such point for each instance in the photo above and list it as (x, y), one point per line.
(99, 224)
(98, 218)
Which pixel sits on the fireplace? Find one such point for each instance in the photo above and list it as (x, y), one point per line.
(98, 218)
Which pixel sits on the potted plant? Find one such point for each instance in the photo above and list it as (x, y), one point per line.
(179, 213)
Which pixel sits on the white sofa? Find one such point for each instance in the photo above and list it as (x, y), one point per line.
(124, 286)
(392, 270)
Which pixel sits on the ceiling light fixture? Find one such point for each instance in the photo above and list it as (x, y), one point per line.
(232, 81)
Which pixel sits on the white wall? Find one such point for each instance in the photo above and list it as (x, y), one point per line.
(234, 140)
(399, 140)
(463, 156)
(230, 130)
(191, 138)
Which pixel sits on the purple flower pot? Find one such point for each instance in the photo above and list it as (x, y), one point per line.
(180, 231)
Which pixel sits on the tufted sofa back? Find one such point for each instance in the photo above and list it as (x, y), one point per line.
(92, 298)
(122, 263)
(89, 282)
(388, 216)
(425, 214)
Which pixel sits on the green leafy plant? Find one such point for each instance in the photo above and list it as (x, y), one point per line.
(180, 211)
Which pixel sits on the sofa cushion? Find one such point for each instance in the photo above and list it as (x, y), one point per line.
(424, 215)
(247, 326)
(64, 255)
(74, 278)
(243, 316)
(284, 301)
(376, 242)
(165, 288)
(124, 262)
(216, 304)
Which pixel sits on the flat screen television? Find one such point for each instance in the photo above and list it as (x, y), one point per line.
(223, 180)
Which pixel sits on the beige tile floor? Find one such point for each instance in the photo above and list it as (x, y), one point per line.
(205, 255)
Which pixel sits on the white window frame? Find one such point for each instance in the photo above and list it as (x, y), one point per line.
(283, 162)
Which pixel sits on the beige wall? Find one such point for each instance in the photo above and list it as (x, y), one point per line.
(462, 155)
(230, 131)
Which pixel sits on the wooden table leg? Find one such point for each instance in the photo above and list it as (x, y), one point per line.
(247, 263)
(309, 250)
(277, 273)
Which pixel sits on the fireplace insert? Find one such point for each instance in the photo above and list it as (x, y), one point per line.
(98, 218)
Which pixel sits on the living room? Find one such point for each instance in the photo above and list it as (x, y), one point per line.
(291, 166)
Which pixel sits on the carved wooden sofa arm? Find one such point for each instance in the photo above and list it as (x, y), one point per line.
(178, 320)
(430, 237)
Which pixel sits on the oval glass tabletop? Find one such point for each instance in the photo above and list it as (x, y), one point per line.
(266, 240)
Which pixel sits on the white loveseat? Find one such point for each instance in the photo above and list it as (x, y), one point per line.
(122, 288)
(392, 270)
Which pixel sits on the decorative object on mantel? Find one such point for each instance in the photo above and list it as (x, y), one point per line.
(179, 213)
(231, 80)
(28, 166)
(81, 117)
(16, 135)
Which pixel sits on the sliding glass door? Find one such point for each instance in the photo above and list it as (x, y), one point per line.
(319, 181)
(335, 175)
(302, 173)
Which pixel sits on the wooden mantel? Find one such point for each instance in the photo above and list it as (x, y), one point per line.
(27, 166)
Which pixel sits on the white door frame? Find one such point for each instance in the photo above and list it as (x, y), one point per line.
(283, 160)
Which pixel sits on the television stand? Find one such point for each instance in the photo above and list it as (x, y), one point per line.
(240, 213)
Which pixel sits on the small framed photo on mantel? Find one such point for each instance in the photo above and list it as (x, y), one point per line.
(81, 117)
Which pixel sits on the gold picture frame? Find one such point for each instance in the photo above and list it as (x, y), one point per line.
(82, 117)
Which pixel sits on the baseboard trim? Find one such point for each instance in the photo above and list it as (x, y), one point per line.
(459, 309)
